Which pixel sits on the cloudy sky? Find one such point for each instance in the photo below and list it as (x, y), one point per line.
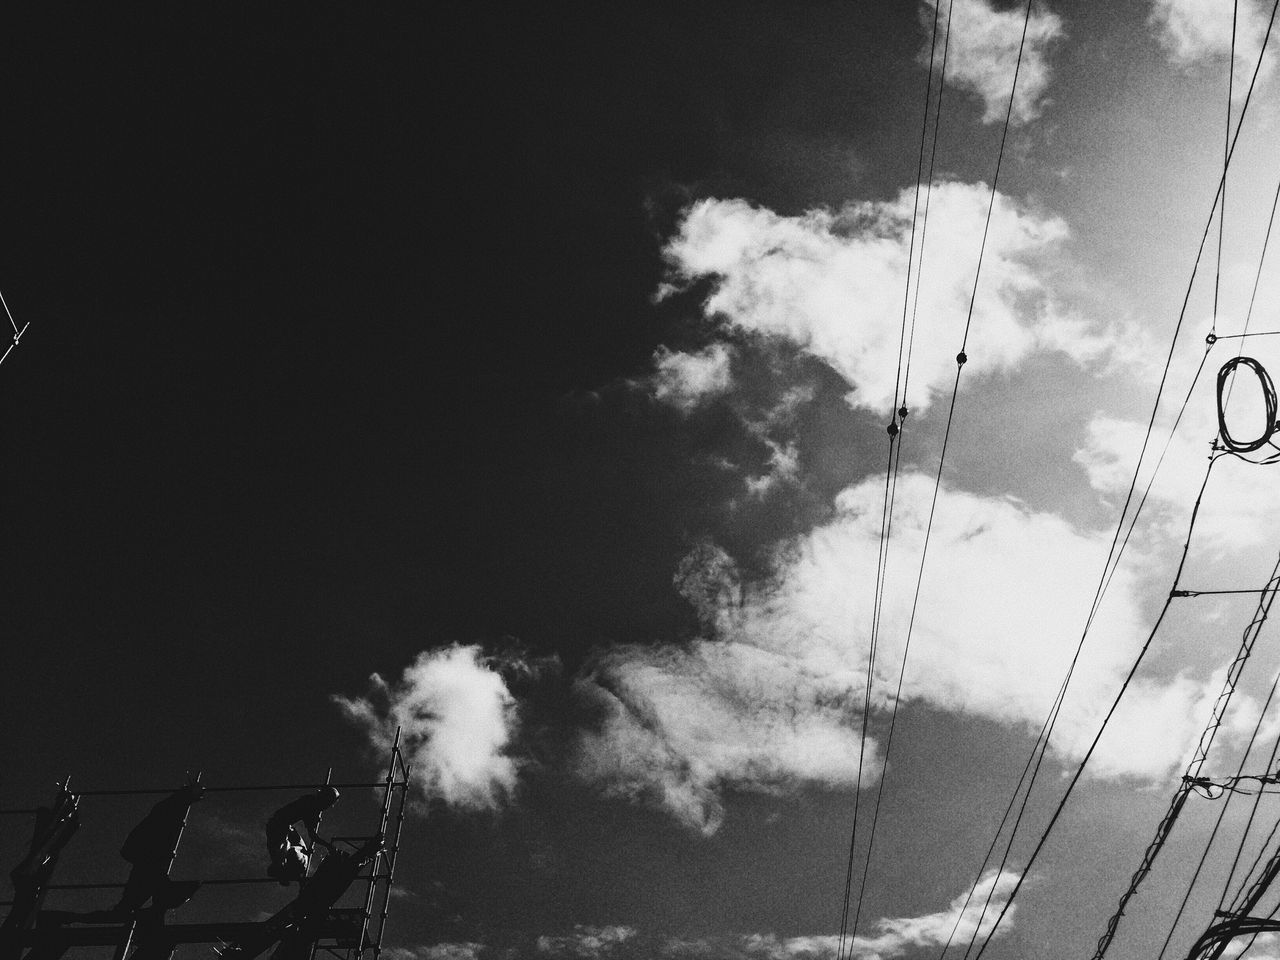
(520, 377)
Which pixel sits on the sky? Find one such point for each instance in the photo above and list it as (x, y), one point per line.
(519, 377)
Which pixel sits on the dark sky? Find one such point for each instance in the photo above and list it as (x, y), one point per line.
(314, 297)
(341, 321)
(307, 296)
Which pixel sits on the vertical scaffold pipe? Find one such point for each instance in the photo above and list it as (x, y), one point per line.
(393, 853)
(375, 867)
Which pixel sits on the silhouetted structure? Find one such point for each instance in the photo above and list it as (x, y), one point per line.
(151, 847)
(289, 855)
(137, 926)
(298, 925)
(54, 826)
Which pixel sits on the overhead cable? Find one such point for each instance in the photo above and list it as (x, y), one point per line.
(1133, 483)
(895, 430)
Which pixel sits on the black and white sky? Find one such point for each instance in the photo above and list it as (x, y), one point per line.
(519, 374)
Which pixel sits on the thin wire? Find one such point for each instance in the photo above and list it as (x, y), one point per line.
(896, 427)
(895, 453)
(1222, 813)
(1004, 136)
(1266, 242)
(16, 331)
(994, 840)
(866, 707)
(164, 791)
(961, 358)
(895, 458)
(1237, 336)
(1271, 763)
(1206, 593)
(915, 206)
(1195, 512)
(1146, 492)
(1226, 157)
(933, 157)
(1133, 484)
(1041, 744)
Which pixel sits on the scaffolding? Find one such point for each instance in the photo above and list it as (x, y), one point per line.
(357, 867)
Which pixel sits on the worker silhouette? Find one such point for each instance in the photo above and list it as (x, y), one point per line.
(151, 847)
(296, 926)
(289, 854)
(54, 826)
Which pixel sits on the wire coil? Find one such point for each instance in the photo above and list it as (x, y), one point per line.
(1268, 397)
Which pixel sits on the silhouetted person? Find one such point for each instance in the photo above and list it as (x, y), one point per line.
(297, 925)
(151, 847)
(53, 828)
(288, 852)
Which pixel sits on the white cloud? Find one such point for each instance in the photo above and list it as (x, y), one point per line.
(984, 52)
(784, 467)
(886, 938)
(586, 942)
(458, 720)
(764, 700)
(889, 937)
(1266, 946)
(1241, 507)
(832, 283)
(1192, 31)
(679, 724)
(440, 951)
(684, 380)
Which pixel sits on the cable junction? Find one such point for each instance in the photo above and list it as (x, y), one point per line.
(1191, 778)
(1213, 788)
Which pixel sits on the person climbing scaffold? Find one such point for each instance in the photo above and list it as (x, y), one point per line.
(289, 854)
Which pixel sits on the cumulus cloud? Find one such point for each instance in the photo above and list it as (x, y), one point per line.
(458, 720)
(684, 380)
(465, 950)
(766, 699)
(1241, 506)
(1265, 946)
(680, 724)
(1193, 31)
(984, 52)
(888, 938)
(586, 942)
(832, 283)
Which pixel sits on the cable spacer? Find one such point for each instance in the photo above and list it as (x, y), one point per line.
(961, 358)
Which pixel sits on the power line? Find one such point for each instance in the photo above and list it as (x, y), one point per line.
(895, 430)
(1195, 512)
(1132, 487)
(961, 359)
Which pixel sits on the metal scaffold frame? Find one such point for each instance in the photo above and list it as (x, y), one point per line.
(310, 924)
